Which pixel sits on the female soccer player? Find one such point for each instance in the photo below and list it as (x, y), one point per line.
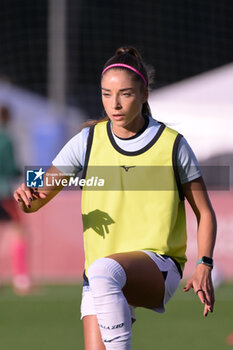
(134, 232)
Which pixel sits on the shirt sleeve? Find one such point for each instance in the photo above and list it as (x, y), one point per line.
(188, 166)
(70, 160)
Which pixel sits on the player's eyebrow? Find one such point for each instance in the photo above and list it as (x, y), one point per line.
(119, 90)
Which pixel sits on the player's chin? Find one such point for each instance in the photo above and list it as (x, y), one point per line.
(117, 119)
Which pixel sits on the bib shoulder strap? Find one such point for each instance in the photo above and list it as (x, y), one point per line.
(175, 166)
(88, 150)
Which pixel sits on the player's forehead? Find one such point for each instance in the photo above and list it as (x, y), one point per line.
(118, 78)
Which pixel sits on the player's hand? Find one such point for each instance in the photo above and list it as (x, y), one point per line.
(25, 195)
(201, 282)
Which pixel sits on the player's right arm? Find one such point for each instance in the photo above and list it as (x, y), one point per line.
(31, 199)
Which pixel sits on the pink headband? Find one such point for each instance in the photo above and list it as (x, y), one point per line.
(126, 66)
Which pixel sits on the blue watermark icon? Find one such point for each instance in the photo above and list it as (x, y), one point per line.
(35, 178)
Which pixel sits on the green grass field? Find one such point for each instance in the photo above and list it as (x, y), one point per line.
(49, 320)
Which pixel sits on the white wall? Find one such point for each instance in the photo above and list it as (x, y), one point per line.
(201, 108)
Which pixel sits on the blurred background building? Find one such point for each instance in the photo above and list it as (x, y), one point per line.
(52, 53)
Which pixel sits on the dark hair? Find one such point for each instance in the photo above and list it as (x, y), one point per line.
(130, 56)
(5, 115)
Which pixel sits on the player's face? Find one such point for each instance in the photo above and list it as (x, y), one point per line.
(123, 99)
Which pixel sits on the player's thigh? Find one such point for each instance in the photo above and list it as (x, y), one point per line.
(92, 336)
(145, 282)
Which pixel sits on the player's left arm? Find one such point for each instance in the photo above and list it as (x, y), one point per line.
(197, 196)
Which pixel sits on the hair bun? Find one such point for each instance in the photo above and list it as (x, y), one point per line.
(128, 50)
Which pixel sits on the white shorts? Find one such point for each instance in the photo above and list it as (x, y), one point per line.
(171, 276)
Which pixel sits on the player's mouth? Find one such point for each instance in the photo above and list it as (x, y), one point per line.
(118, 116)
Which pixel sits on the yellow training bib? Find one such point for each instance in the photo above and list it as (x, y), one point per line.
(135, 201)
